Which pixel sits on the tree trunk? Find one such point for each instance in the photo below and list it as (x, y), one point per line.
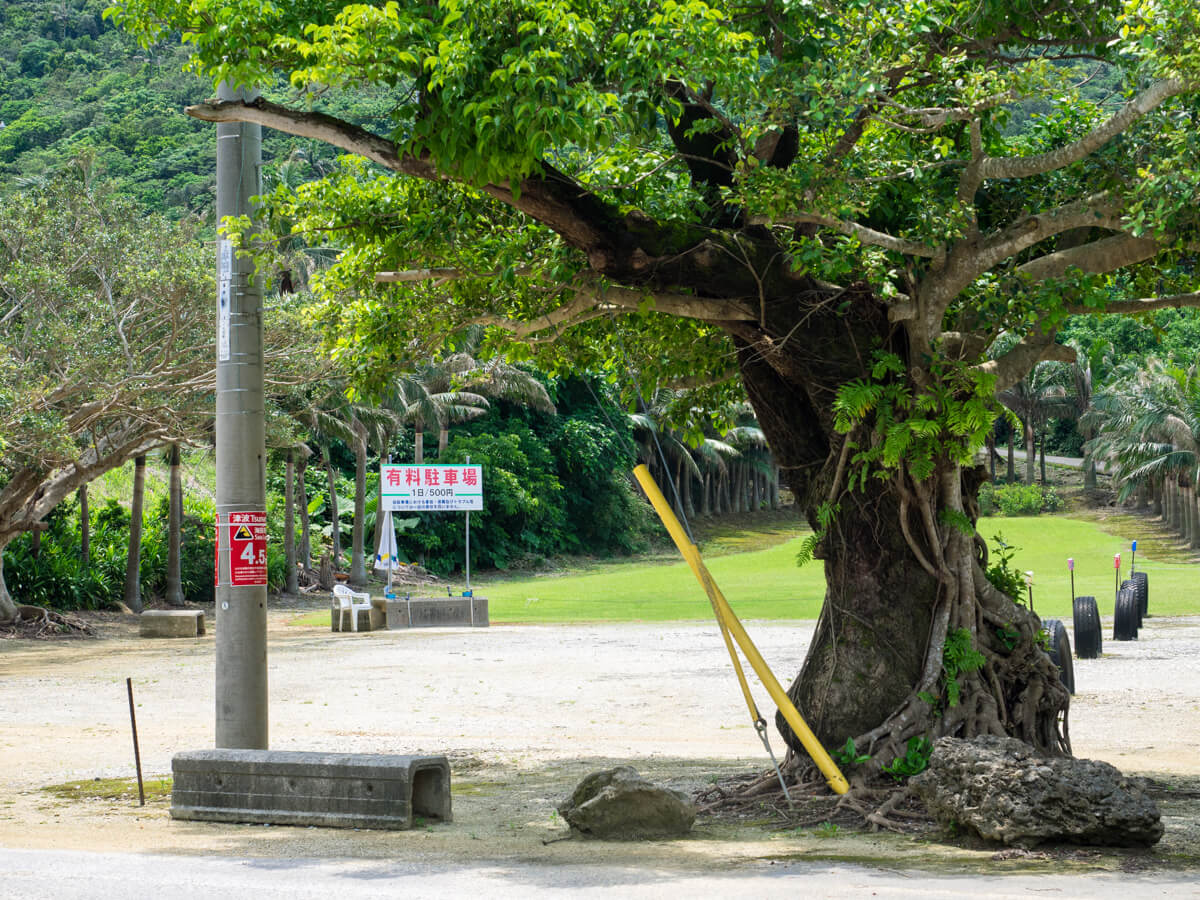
(706, 495)
(85, 529)
(175, 530)
(1193, 518)
(1194, 509)
(336, 530)
(991, 453)
(1011, 475)
(1030, 453)
(443, 440)
(774, 485)
(8, 608)
(133, 581)
(1042, 455)
(901, 574)
(302, 501)
(358, 568)
(754, 497)
(688, 506)
(291, 582)
(1156, 500)
(418, 442)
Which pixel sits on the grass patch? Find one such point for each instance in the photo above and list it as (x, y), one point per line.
(1045, 542)
(767, 584)
(113, 789)
(199, 479)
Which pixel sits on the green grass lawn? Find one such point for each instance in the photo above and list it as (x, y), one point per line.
(767, 584)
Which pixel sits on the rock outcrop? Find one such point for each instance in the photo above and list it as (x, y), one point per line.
(1004, 790)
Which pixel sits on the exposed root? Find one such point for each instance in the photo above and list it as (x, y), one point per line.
(871, 807)
(36, 623)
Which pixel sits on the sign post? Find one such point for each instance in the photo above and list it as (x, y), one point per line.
(467, 561)
(407, 488)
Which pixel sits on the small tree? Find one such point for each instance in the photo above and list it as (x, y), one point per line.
(104, 343)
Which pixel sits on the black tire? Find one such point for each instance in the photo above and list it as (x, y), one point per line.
(1059, 644)
(1125, 616)
(1141, 586)
(1128, 585)
(1089, 639)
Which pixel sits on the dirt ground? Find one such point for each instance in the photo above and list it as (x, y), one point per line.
(523, 713)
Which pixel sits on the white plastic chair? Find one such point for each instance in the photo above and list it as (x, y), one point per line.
(344, 601)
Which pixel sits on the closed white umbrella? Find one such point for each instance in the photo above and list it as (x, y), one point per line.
(386, 554)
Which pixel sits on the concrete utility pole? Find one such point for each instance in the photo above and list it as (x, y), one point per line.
(241, 626)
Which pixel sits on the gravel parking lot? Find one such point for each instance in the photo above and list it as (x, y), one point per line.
(523, 712)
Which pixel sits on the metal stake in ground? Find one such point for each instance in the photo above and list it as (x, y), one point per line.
(137, 755)
(1071, 569)
(1133, 559)
(241, 591)
(1116, 578)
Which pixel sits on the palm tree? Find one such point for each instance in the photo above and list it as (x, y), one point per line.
(457, 389)
(174, 527)
(1148, 424)
(1034, 400)
(416, 402)
(133, 581)
(1080, 380)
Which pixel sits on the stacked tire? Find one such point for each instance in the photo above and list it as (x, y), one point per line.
(1141, 587)
(1125, 615)
(1059, 648)
(1089, 640)
(1127, 585)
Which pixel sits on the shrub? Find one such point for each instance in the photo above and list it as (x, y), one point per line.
(1017, 500)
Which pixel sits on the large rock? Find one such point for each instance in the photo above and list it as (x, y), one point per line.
(1003, 790)
(618, 804)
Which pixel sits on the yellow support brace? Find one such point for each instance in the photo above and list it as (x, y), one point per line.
(731, 625)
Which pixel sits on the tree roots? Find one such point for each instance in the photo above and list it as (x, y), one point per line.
(36, 623)
(872, 807)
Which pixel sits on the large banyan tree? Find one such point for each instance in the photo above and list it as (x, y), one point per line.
(843, 204)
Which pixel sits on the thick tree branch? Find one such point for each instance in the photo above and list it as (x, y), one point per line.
(1105, 255)
(319, 127)
(696, 382)
(1140, 106)
(589, 303)
(631, 248)
(1145, 304)
(865, 235)
(1020, 360)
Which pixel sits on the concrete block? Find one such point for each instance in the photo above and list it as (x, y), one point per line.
(170, 623)
(432, 612)
(365, 622)
(332, 790)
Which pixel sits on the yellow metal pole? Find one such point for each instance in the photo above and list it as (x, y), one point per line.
(726, 617)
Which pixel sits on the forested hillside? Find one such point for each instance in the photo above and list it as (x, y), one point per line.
(73, 84)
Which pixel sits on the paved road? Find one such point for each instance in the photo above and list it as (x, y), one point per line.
(1071, 462)
(68, 875)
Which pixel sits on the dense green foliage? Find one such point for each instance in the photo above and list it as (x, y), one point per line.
(1017, 499)
(552, 485)
(56, 579)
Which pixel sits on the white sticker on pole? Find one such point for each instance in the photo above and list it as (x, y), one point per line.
(224, 291)
(432, 488)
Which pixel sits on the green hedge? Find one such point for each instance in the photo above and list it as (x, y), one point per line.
(1017, 500)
